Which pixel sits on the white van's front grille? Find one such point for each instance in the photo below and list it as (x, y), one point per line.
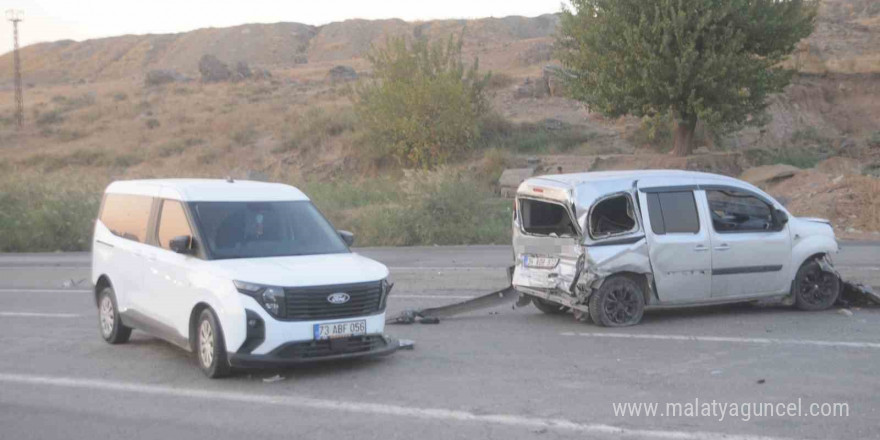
(311, 303)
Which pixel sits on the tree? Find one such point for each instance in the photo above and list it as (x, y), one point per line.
(423, 105)
(714, 61)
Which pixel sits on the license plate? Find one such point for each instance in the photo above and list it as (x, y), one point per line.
(538, 262)
(341, 329)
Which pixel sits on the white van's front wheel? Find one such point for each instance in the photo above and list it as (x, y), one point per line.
(112, 329)
(210, 347)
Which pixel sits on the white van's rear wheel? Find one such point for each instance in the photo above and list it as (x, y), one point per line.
(210, 347)
(112, 329)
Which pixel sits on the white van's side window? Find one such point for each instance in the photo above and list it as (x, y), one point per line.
(127, 215)
(172, 223)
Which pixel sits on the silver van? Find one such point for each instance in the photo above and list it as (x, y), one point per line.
(612, 244)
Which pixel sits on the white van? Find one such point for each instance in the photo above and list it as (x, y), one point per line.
(244, 274)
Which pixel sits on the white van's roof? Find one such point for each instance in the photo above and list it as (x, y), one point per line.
(208, 190)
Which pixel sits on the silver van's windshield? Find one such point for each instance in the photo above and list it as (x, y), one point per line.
(264, 229)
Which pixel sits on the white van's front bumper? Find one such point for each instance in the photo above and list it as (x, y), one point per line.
(294, 342)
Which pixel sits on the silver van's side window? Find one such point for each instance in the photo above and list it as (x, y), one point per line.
(612, 216)
(673, 212)
(127, 215)
(735, 211)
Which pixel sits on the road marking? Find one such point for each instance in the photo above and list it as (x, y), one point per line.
(762, 341)
(445, 268)
(44, 291)
(392, 296)
(38, 315)
(370, 408)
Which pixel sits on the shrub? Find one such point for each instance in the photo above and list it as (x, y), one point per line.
(245, 136)
(316, 127)
(547, 136)
(874, 140)
(50, 117)
(118, 97)
(40, 216)
(153, 123)
(424, 105)
(439, 207)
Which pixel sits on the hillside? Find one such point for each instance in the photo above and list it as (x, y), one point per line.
(273, 46)
(90, 118)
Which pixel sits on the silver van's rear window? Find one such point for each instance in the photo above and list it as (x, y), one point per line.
(546, 218)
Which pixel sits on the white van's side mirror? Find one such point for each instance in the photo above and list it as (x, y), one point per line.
(181, 244)
(347, 237)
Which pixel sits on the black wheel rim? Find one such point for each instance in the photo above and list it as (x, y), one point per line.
(817, 286)
(621, 305)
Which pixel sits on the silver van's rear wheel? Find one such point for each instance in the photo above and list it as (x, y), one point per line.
(620, 302)
(112, 328)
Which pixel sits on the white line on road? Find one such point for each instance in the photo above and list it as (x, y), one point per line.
(392, 296)
(763, 341)
(37, 315)
(44, 291)
(369, 408)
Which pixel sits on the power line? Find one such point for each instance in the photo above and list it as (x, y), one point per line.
(15, 16)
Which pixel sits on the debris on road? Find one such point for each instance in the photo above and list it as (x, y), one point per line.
(434, 314)
(406, 344)
(851, 292)
(845, 312)
(858, 294)
(273, 379)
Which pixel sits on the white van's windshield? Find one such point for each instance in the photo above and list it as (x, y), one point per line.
(264, 229)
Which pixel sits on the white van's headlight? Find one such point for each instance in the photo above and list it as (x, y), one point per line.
(270, 297)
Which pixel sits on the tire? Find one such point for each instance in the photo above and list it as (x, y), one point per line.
(815, 289)
(210, 349)
(620, 302)
(109, 324)
(548, 307)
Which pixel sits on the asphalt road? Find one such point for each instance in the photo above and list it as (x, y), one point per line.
(500, 373)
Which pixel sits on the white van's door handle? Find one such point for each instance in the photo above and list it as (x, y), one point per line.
(701, 248)
(722, 247)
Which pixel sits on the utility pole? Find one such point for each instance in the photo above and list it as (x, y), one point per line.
(15, 16)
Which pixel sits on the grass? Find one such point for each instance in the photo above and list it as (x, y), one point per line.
(548, 136)
(40, 216)
(436, 208)
(428, 208)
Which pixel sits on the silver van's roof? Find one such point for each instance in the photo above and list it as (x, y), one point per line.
(673, 176)
(583, 189)
(208, 190)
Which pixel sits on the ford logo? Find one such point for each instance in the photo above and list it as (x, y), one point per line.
(338, 298)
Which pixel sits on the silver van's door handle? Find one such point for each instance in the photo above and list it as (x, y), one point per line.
(701, 248)
(722, 247)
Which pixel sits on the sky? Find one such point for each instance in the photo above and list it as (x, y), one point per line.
(52, 20)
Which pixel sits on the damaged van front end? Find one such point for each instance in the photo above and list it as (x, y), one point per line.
(568, 238)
